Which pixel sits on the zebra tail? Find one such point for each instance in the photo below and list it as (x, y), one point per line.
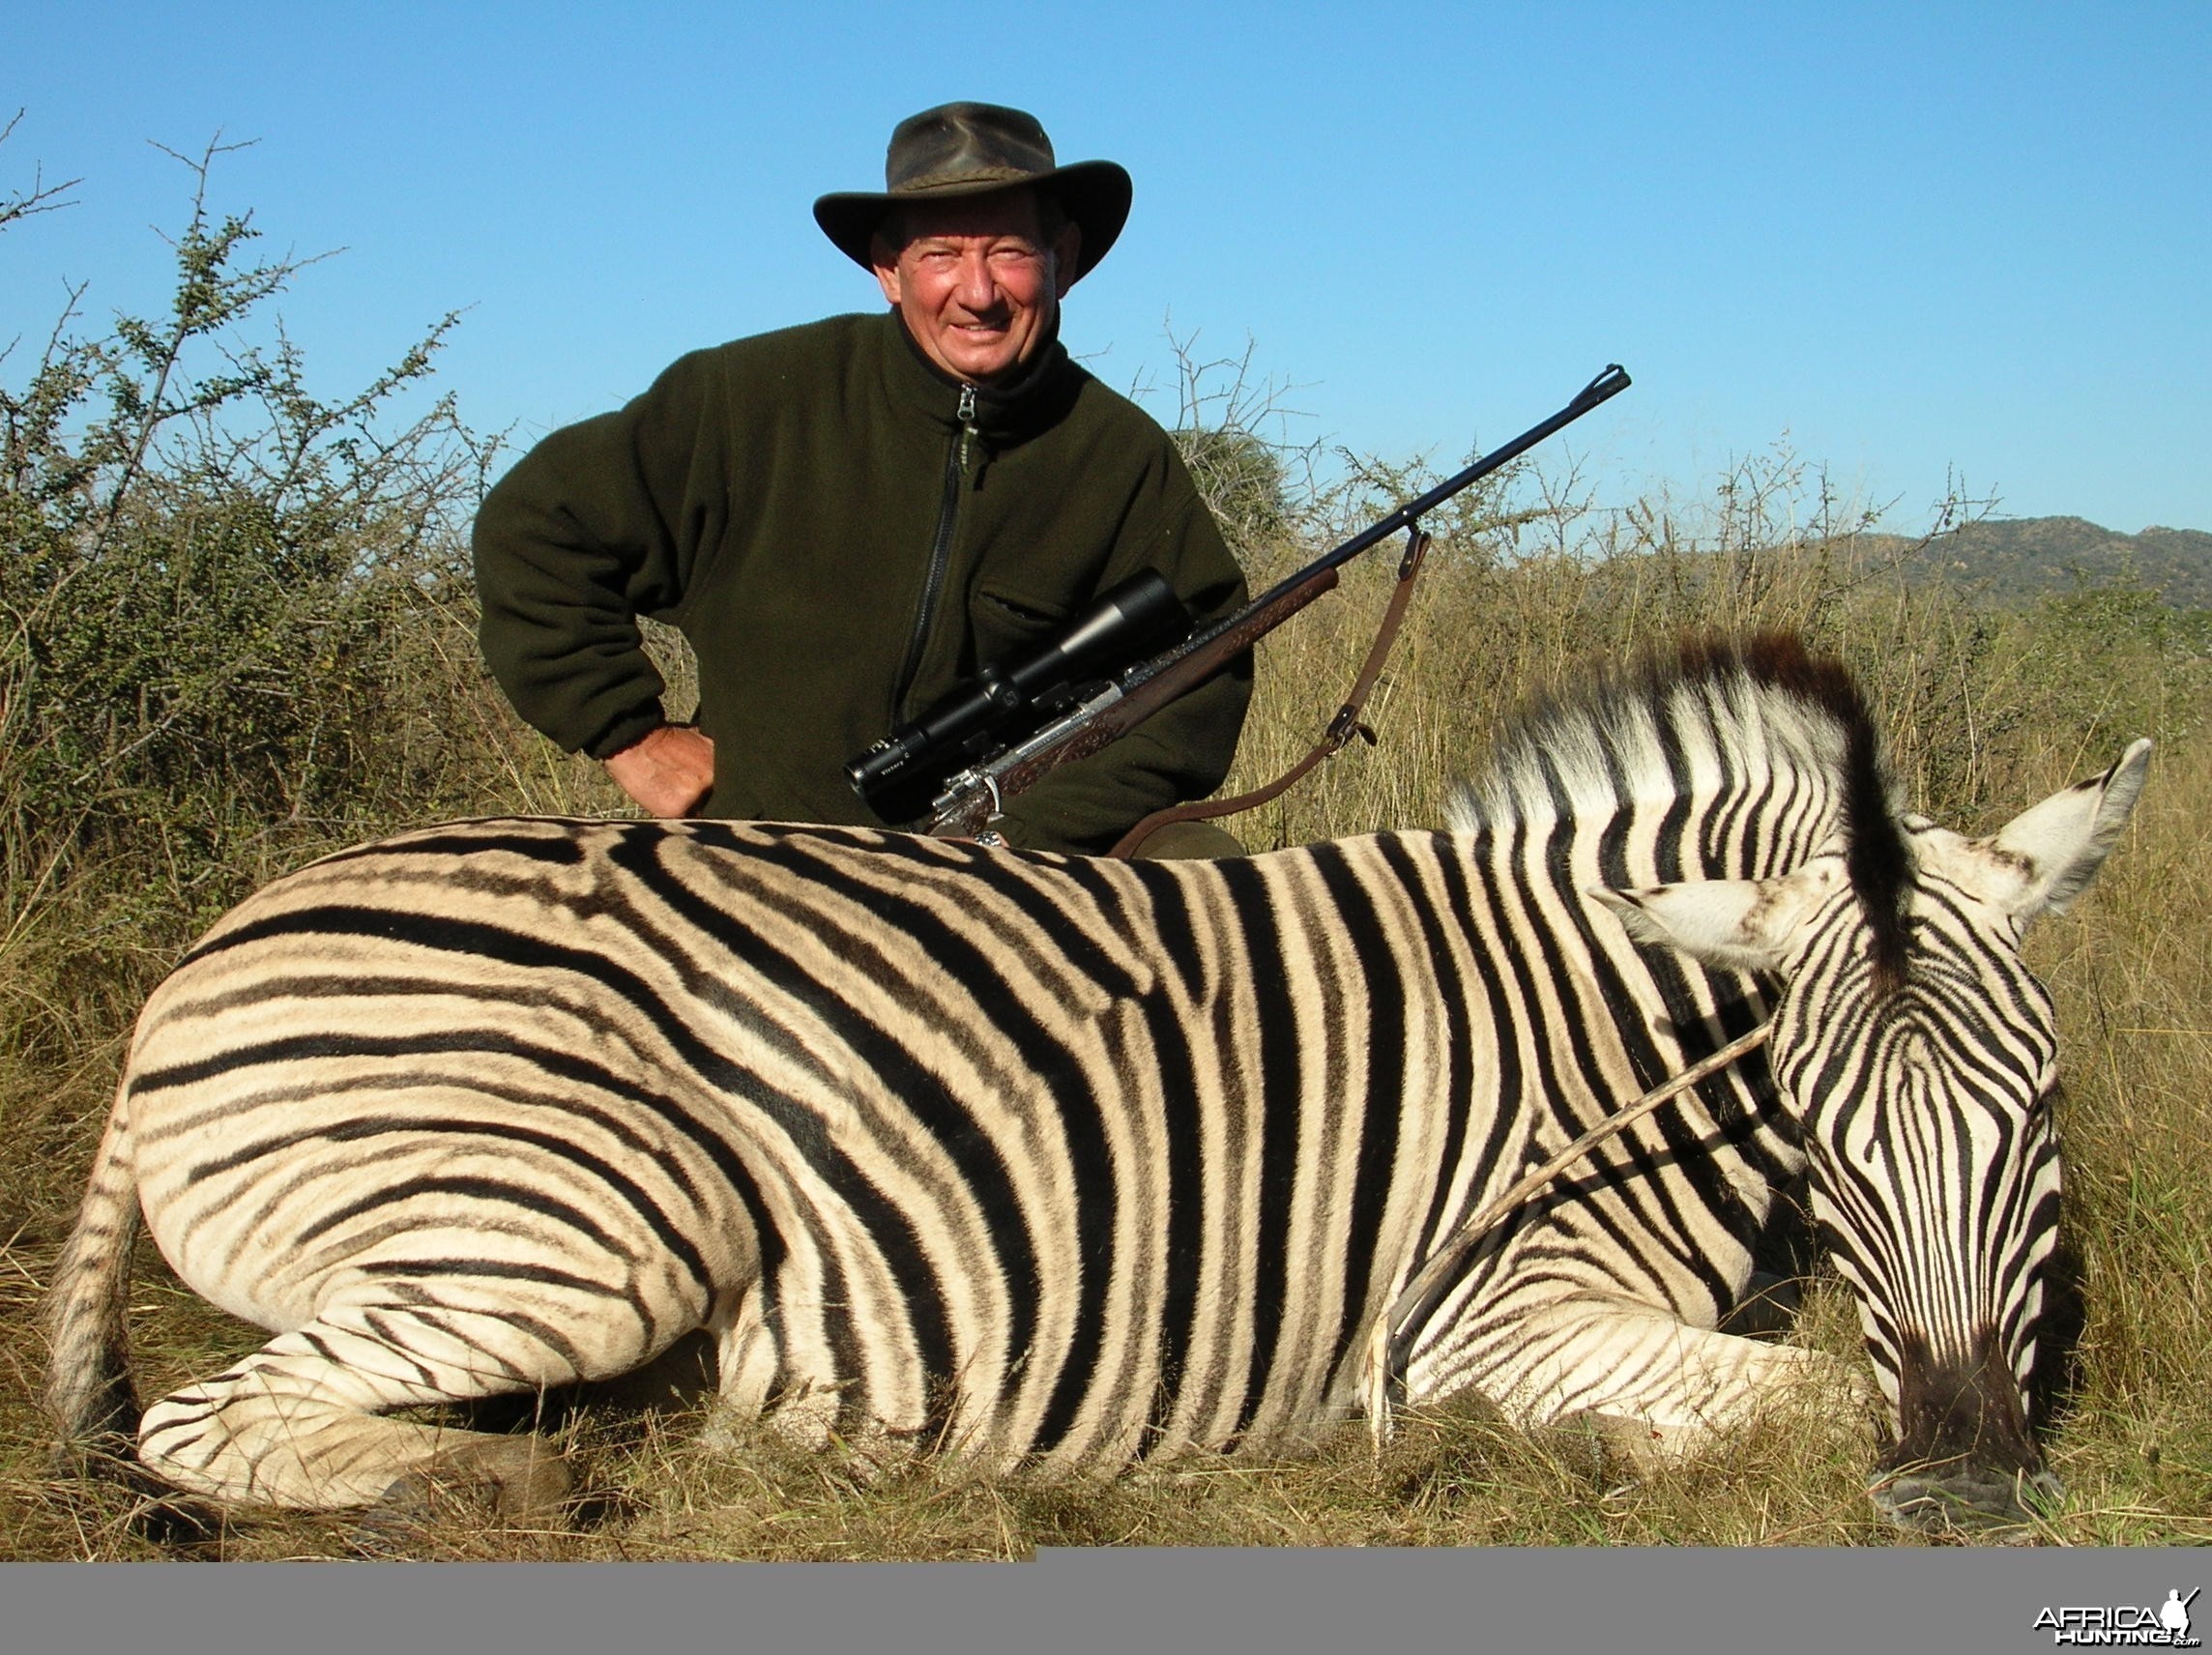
(89, 1393)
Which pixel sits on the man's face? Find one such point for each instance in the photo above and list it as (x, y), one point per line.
(978, 290)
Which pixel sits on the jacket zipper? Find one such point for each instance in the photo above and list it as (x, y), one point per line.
(940, 549)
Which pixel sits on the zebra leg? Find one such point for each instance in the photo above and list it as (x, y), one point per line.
(746, 1364)
(296, 1424)
(796, 1390)
(1648, 1381)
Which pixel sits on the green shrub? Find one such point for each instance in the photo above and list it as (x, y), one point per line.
(235, 622)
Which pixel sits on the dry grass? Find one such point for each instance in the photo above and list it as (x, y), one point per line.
(2132, 975)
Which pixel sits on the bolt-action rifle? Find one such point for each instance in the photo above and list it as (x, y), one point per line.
(966, 756)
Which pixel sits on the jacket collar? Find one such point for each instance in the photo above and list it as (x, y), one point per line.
(1007, 412)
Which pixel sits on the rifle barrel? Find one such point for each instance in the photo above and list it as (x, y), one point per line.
(1612, 381)
(972, 798)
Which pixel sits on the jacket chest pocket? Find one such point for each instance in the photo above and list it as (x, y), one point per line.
(1006, 622)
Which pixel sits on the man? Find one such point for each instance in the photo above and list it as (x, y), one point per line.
(848, 518)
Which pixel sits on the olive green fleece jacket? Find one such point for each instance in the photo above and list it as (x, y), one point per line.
(810, 511)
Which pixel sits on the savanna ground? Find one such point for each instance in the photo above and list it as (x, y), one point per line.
(238, 633)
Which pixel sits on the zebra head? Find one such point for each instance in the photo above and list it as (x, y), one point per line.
(1917, 1054)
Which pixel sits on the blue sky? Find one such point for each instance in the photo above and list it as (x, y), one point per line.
(1910, 241)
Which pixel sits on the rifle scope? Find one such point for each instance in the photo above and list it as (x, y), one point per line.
(1122, 622)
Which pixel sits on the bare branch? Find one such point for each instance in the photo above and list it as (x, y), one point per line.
(42, 196)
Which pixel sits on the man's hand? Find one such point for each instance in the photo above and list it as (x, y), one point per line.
(668, 770)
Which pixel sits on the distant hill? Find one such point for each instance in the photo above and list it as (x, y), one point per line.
(2022, 559)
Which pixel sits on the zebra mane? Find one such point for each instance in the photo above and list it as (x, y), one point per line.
(1710, 719)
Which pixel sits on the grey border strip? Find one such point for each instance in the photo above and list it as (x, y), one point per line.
(1960, 1601)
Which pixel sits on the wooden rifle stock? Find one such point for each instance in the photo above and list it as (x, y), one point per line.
(973, 798)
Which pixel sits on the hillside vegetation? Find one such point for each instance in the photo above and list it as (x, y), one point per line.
(238, 632)
(2016, 560)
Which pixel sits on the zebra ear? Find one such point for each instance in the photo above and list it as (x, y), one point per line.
(1742, 925)
(2046, 856)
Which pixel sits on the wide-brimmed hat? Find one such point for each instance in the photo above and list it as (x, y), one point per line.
(978, 149)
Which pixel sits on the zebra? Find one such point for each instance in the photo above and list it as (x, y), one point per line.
(1059, 1163)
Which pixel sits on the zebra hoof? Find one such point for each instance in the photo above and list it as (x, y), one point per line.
(518, 1478)
(530, 1482)
(160, 1514)
(177, 1520)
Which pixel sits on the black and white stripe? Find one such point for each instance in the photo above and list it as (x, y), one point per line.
(1048, 1161)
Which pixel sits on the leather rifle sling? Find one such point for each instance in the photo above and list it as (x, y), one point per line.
(1341, 728)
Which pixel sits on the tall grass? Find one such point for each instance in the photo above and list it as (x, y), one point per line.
(239, 633)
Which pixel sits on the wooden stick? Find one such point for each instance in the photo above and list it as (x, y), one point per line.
(1463, 1240)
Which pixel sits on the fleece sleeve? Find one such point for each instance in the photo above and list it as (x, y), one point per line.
(598, 524)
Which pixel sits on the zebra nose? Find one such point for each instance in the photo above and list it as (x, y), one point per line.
(1965, 1457)
(1965, 1496)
